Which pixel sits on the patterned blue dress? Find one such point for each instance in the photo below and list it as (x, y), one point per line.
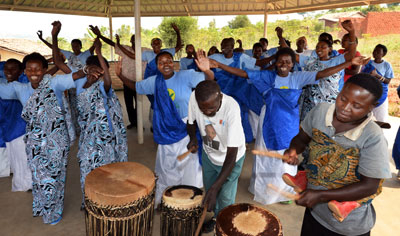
(326, 90)
(47, 146)
(103, 135)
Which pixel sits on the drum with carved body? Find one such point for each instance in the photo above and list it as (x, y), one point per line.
(119, 200)
(180, 210)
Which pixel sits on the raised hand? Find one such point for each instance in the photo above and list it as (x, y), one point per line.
(94, 71)
(40, 34)
(360, 61)
(56, 28)
(279, 32)
(95, 30)
(202, 60)
(348, 26)
(175, 27)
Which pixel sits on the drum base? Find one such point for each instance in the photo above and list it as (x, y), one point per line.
(177, 222)
(105, 220)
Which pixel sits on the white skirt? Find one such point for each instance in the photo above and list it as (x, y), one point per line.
(4, 163)
(253, 120)
(171, 172)
(22, 175)
(268, 170)
(381, 113)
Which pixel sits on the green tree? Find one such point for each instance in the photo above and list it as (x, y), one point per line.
(187, 25)
(240, 21)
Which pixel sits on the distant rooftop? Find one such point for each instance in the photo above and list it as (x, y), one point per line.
(24, 46)
(336, 16)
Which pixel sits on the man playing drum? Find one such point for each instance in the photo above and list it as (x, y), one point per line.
(218, 117)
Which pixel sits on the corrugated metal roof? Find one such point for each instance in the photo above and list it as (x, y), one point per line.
(123, 8)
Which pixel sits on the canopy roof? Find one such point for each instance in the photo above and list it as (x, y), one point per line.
(124, 8)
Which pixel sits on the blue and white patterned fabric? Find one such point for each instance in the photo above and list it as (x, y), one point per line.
(103, 137)
(47, 147)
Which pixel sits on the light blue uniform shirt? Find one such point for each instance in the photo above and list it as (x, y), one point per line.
(179, 87)
(295, 80)
(23, 91)
(385, 68)
(76, 62)
(246, 62)
(185, 62)
(329, 63)
(148, 56)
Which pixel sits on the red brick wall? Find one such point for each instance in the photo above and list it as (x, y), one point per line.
(380, 23)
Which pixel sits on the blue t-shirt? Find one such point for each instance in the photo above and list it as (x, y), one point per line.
(76, 62)
(334, 61)
(2, 63)
(179, 86)
(295, 80)
(333, 54)
(23, 91)
(385, 68)
(148, 56)
(248, 52)
(246, 62)
(185, 62)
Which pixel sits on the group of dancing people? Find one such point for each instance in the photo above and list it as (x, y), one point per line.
(215, 104)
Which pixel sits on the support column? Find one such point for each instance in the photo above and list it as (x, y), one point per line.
(138, 64)
(111, 35)
(265, 22)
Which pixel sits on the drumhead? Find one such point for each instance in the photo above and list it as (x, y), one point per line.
(247, 220)
(118, 184)
(182, 197)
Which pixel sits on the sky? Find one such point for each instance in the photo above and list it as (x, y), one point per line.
(17, 24)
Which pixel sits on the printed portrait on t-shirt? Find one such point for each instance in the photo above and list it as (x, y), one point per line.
(73, 61)
(208, 139)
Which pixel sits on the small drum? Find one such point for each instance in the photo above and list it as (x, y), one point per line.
(119, 200)
(180, 210)
(247, 220)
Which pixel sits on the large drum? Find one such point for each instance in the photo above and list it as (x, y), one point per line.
(119, 200)
(247, 220)
(180, 210)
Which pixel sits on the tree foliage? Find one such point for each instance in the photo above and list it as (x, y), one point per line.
(241, 21)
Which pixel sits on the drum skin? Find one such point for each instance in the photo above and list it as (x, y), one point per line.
(244, 219)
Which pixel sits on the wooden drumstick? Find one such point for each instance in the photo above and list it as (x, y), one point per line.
(201, 221)
(185, 154)
(286, 194)
(269, 154)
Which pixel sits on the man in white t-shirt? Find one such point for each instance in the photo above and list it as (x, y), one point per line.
(218, 117)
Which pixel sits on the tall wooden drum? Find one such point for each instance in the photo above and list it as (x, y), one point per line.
(119, 200)
(247, 220)
(180, 210)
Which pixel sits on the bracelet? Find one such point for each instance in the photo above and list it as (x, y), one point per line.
(85, 70)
